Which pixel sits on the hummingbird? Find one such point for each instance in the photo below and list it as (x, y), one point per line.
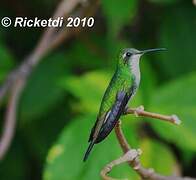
(122, 88)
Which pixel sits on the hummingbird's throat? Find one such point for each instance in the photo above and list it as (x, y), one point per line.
(135, 68)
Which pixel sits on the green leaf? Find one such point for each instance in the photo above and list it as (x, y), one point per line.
(6, 62)
(180, 41)
(43, 91)
(177, 97)
(187, 157)
(40, 141)
(89, 88)
(118, 13)
(64, 160)
(151, 157)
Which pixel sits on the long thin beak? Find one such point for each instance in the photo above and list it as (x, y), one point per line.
(152, 50)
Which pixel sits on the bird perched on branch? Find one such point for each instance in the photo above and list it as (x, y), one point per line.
(120, 91)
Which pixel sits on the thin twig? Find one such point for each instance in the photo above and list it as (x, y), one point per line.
(140, 112)
(144, 173)
(127, 157)
(10, 116)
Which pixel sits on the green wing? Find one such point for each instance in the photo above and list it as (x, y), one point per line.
(121, 81)
(113, 115)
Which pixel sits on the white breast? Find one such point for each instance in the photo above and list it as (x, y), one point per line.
(135, 68)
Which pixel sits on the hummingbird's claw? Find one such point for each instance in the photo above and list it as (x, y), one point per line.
(125, 110)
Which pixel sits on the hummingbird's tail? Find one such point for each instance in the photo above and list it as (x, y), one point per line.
(88, 150)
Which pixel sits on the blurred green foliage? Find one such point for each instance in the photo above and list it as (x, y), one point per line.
(44, 83)
(118, 13)
(177, 34)
(177, 96)
(6, 62)
(60, 102)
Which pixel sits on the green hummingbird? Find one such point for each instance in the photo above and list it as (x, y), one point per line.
(120, 91)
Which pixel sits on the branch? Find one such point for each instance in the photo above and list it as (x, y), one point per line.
(134, 161)
(194, 2)
(16, 80)
(10, 116)
(127, 157)
(140, 112)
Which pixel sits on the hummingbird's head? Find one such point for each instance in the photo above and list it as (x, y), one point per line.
(128, 54)
(131, 56)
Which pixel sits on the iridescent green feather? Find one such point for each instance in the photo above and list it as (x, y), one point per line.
(121, 81)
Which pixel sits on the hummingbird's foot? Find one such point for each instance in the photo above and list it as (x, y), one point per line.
(138, 110)
(125, 110)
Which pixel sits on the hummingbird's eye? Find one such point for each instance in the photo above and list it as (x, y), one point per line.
(128, 54)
